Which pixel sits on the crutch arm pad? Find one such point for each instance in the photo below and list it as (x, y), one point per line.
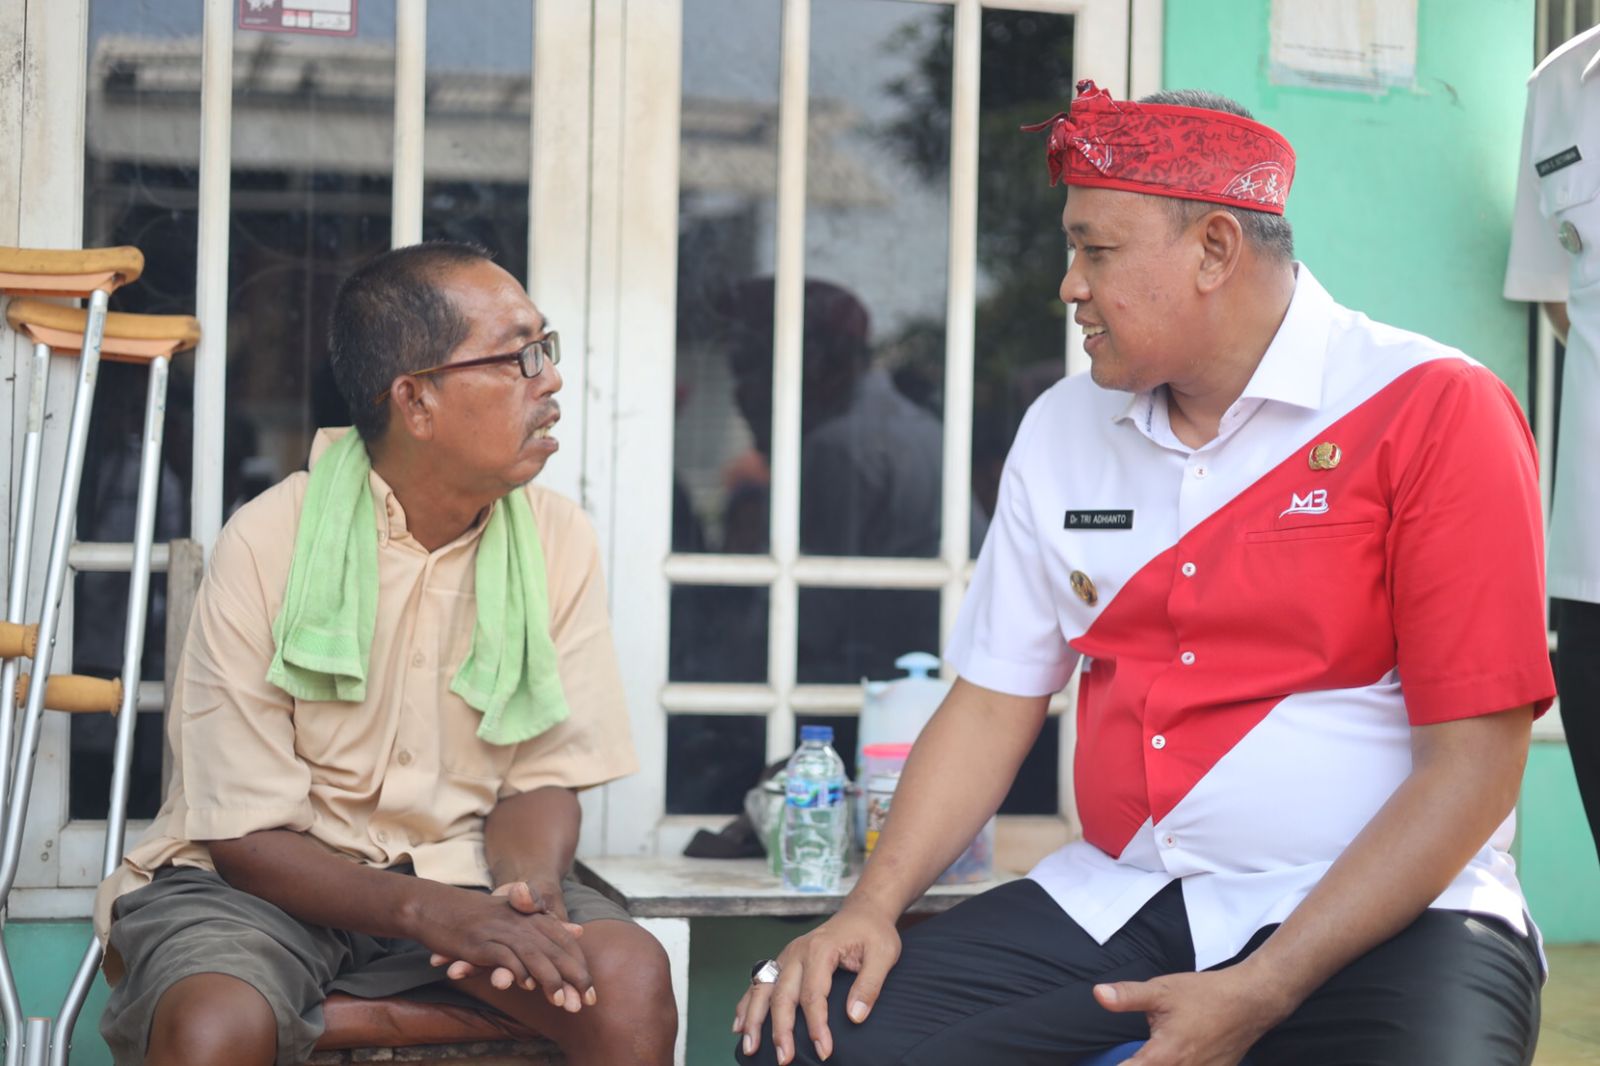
(69, 272)
(75, 694)
(127, 336)
(18, 641)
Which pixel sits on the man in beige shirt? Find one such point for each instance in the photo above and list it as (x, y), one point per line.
(310, 846)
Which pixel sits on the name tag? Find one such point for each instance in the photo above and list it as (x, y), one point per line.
(1099, 520)
(1565, 158)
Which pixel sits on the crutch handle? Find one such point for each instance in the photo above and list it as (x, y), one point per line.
(76, 694)
(54, 272)
(18, 641)
(129, 338)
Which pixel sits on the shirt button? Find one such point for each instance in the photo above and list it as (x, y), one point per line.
(1187, 658)
(1158, 742)
(1188, 570)
(382, 837)
(417, 660)
(1201, 471)
(405, 757)
(1170, 841)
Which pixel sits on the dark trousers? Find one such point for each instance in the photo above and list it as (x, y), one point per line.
(1578, 678)
(1007, 978)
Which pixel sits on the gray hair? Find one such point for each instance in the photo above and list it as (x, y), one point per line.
(1270, 234)
(392, 318)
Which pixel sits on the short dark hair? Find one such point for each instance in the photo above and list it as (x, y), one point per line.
(391, 318)
(1270, 234)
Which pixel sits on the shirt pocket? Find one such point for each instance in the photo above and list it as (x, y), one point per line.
(1319, 531)
(1571, 197)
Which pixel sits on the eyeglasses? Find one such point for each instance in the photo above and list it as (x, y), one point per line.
(530, 359)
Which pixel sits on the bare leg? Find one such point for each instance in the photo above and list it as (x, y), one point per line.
(211, 1019)
(636, 1019)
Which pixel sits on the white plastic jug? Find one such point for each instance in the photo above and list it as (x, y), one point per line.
(894, 712)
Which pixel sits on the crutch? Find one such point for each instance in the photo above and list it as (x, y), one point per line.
(93, 274)
(133, 338)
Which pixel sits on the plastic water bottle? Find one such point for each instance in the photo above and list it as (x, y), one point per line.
(815, 818)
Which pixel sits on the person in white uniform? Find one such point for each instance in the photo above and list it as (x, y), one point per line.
(1555, 261)
(1300, 556)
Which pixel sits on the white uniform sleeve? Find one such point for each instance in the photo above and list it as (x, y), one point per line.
(1537, 267)
(1008, 634)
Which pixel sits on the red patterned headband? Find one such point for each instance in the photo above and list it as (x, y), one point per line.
(1189, 152)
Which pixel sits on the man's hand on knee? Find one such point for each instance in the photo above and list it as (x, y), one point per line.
(515, 935)
(527, 899)
(1196, 1019)
(855, 939)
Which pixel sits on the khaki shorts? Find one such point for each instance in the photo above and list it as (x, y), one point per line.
(189, 921)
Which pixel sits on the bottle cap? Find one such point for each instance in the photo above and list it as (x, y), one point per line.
(918, 664)
(823, 733)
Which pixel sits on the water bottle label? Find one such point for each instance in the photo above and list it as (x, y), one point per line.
(814, 794)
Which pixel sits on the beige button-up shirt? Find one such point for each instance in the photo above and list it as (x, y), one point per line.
(401, 777)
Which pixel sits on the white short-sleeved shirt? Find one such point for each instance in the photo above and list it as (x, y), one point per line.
(1555, 255)
(1264, 631)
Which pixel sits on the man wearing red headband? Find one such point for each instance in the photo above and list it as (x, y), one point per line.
(1298, 556)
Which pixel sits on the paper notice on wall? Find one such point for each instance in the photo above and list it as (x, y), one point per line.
(1360, 45)
(336, 17)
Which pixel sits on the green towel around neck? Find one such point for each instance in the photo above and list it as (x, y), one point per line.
(324, 630)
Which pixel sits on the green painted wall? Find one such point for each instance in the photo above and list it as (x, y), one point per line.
(1555, 856)
(45, 956)
(1401, 203)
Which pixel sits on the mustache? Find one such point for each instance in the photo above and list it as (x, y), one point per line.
(545, 414)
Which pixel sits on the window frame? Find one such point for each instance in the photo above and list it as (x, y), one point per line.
(606, 93)
(643, 563)
(41, 204)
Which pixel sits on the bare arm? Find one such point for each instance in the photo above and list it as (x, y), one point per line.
(979, 738)
(307, 881)
(532, 837)
(1557, 314)
(1464, 781)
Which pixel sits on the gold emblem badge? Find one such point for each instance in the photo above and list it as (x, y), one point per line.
(1084, 588)
(1570, 239)
(1325, 456)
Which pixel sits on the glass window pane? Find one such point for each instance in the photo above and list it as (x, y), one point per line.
(142, 137)
(99, 623)
(141, 175)
(712, 760)
(719, 633)
(726, 232)
(89, 782)
(476, 156)
(1021, 322)
(877, 244)
(313, 158)
(848, 634)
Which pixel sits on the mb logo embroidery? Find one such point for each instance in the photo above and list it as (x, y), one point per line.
(1313, 502)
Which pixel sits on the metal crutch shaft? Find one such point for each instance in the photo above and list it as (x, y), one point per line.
(55, 585)
(21, 550)
(132, 654)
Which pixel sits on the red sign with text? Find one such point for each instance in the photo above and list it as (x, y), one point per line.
(335, 18)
